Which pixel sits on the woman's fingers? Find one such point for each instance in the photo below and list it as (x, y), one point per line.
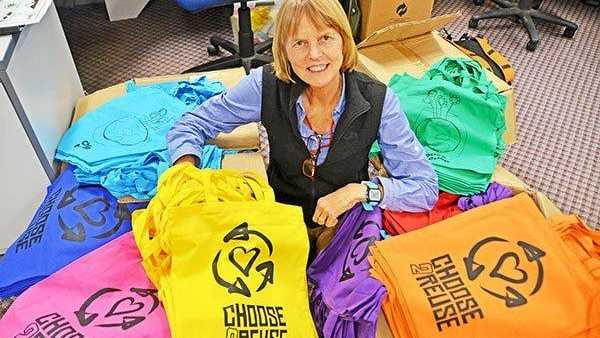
(325, 215)
(319, 216)
(331, 221)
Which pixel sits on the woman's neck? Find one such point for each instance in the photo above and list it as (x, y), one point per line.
(325, 96)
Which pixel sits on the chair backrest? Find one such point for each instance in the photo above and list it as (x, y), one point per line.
(200, 5)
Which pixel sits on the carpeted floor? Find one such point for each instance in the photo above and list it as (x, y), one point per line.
(558, 101)
(164, 39)
(5, 303)
(557, 86)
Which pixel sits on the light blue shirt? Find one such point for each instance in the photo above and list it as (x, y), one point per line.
(412, 185)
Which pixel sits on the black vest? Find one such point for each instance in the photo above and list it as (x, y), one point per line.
(348, 156)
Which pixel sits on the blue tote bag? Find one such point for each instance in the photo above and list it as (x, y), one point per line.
(72, 220)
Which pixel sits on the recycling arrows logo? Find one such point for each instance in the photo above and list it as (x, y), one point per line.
(93, 213)
(245, 258)
(509, 268)
(128, 310)
(358, 250)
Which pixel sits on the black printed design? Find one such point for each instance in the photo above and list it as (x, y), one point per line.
(29, 331)
(85, 144)
(93, 213)
(128, 131)
(52, 325)
(125, 313)
(246, 259)
(133, 130)
(358, 251)
(35, 231)
(509, 268)
(439, 131)
(401, 9)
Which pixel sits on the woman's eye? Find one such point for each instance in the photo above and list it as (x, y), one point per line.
(298, 44)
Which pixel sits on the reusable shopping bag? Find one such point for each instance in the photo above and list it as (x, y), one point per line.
(227, 259)
(346, 301)
(458, 116)
(133, 124)
(72, 220)
(185, 185)
(498, 270)
(104, 294)
(122, 144)
(192, 93)
(494, 192)
(399, 222)
(581, 239)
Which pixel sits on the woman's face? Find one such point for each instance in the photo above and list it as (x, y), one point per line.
(315, 53)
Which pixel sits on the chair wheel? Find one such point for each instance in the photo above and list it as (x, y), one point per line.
(473, 23)
(569, 32)
(478, 2)
(531, 45)
(213, 50)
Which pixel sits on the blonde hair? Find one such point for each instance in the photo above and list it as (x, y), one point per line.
(321, 12)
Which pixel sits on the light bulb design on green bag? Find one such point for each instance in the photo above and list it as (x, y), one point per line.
(438, 130)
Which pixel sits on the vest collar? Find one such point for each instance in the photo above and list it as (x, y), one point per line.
(356, 104)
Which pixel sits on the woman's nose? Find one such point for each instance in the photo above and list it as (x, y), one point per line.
(315, 51)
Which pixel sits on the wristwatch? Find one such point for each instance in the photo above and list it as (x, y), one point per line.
(374, 195)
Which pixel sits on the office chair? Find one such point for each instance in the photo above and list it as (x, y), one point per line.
(525, 11)
(245, 53)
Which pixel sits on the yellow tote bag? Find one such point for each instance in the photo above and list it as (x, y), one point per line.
(228, 261)
(185, 185)
(238, 270)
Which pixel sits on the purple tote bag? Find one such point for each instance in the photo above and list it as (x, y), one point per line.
(345, 300)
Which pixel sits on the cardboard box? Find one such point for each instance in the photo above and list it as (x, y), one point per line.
(243, 137)
(412, 47)
(383, 329)
(252, 162)
(510, 180)
(377, 14)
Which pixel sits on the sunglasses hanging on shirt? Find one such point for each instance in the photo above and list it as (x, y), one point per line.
(309, 165)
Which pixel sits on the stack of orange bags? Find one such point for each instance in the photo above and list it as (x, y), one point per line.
(500, 270)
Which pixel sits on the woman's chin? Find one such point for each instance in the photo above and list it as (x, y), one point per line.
(318, 80)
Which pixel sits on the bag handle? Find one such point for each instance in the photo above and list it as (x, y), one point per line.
(232, 185)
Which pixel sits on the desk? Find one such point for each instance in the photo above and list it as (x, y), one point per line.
(40, 86)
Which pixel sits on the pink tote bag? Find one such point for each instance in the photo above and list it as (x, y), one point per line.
(105, 293)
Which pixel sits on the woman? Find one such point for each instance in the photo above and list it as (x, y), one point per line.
(321, 118)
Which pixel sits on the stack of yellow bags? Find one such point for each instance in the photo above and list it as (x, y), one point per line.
(500, 270)
(228, 260)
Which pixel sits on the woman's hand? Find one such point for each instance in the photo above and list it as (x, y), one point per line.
(187, 159)
(329, 207)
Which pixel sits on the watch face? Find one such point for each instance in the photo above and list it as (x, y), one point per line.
(374, 195)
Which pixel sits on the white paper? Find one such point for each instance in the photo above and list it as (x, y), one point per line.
(22, 12)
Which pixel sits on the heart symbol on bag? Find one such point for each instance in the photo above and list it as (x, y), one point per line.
(509, 273)
(243, 259)
(93, 211)
(121, 307)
